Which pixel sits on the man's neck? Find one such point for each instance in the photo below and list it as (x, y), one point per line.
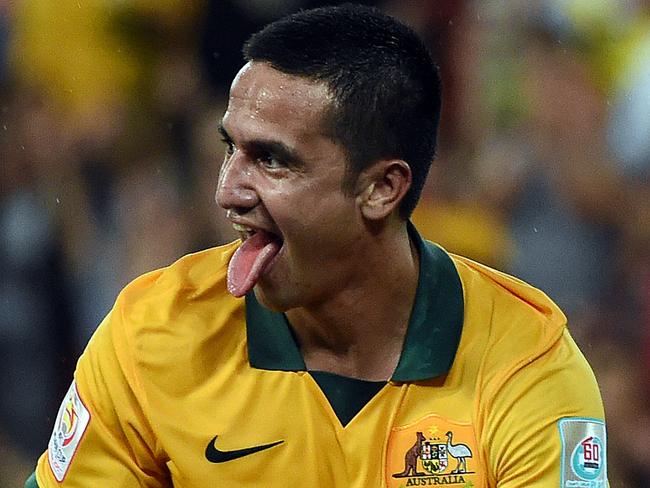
(360, 331)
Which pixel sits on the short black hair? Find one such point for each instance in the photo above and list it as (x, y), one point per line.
(386, 87)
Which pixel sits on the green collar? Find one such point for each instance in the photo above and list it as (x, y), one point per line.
(431, 339)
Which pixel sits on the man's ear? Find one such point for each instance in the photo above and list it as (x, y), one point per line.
(382, 188)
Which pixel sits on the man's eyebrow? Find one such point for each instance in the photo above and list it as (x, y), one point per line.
(268, 146)
(276, 149)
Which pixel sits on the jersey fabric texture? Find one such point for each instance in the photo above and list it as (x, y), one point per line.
(187, 386)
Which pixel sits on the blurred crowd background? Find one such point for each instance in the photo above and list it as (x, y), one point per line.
(110, 154)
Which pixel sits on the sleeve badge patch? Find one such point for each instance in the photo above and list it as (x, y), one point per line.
(584, 453)
(69, 428)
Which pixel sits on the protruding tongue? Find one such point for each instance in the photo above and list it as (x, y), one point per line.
(249, 261)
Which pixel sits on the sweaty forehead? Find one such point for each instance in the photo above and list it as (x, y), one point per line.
(261, 93)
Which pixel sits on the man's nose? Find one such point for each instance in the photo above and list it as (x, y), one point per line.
(235, 188)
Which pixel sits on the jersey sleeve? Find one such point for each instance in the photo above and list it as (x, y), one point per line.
(545, 426)
(101, 435)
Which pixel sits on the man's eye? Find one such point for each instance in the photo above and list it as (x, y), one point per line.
(271, 162)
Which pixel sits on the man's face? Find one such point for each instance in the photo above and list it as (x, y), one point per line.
(283, 175)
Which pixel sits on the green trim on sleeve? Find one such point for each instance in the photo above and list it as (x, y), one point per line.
(31, 481)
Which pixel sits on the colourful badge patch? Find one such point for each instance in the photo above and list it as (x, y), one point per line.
(584, 453)
(433, 451)
(70, 425)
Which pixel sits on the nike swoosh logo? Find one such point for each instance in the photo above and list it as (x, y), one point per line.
(215, 455)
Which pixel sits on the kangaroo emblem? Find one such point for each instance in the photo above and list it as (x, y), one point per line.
(411, 459)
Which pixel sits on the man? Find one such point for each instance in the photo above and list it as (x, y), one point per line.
(332, 347)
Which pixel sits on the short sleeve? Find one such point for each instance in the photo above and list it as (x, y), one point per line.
(101, 435)
(545, 426)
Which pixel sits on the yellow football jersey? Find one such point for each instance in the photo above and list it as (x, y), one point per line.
(184, 385)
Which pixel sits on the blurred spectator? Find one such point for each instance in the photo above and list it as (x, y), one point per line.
(564, 203)
(228, 23)
(36, 308)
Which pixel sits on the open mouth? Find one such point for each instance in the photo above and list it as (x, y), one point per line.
(246, 232)
(258, 250)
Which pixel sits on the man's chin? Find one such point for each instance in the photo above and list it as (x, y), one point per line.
(270, 298)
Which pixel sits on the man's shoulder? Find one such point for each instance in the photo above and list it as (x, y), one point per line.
(161, 321)
(191, 276)
(184, 296)
(513, 329)
(513, 298)
(515, 321)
